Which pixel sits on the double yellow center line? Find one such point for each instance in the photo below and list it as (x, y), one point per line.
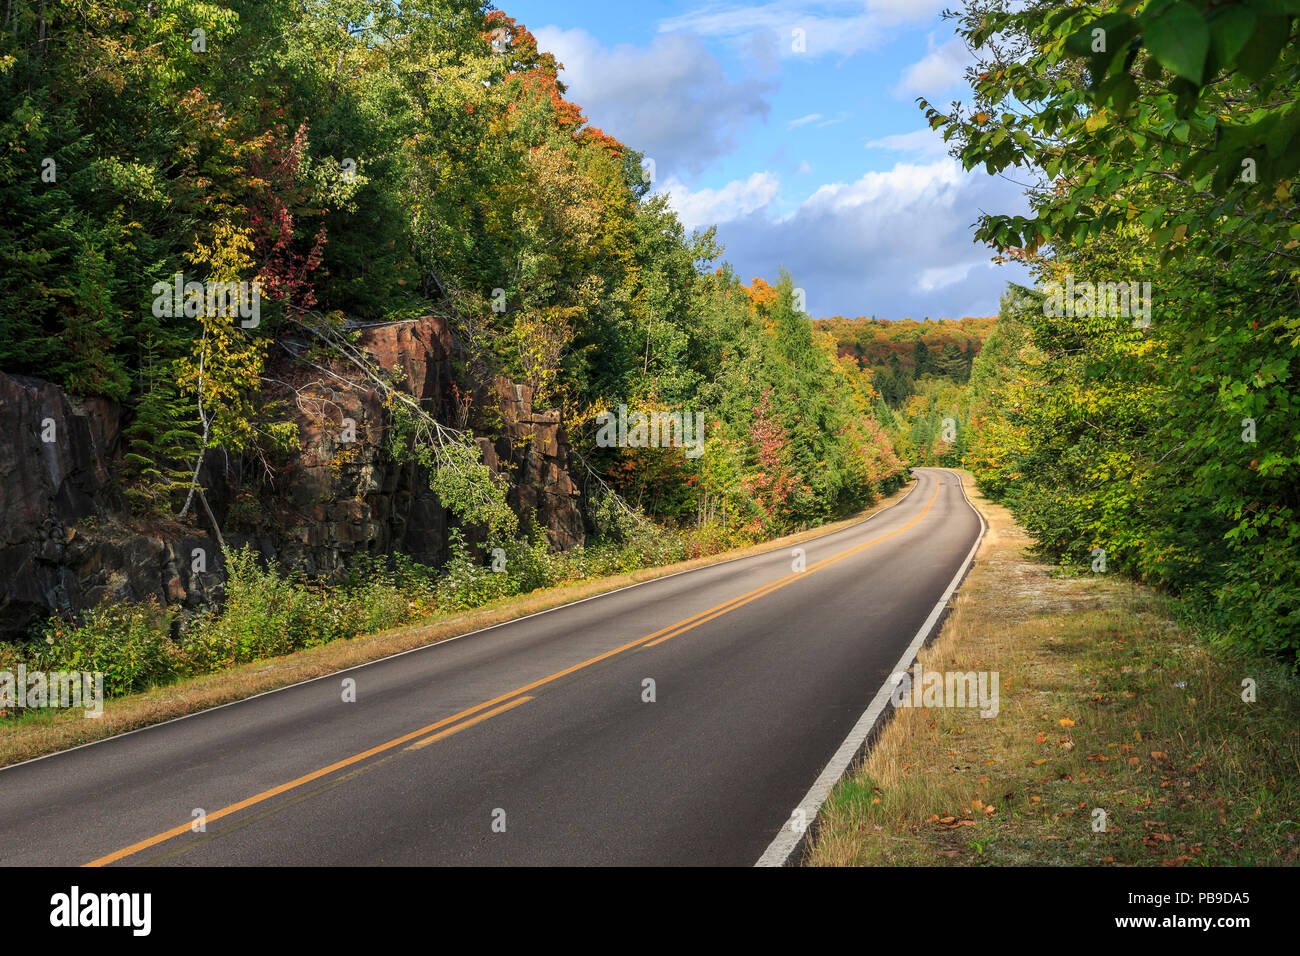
(498, 705)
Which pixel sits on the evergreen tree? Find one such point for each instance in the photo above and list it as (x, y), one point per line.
(921, 358)
(162, 439)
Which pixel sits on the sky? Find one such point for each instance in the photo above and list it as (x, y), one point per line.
(793, 127)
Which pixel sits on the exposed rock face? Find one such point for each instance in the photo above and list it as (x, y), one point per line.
(535, 443)
(67, 544)
(343, 492)
(60, 551)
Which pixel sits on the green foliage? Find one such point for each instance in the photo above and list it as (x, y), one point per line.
(129, 644)
(1172, 447)
(1181, 116)
(161, 440)
(466, 487)
(265, 615)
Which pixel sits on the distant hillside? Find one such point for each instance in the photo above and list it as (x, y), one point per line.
(873, 341)
(900, 353)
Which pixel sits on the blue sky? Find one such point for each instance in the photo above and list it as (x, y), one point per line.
(793, 127)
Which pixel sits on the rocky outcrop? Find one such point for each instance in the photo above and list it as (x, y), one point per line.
(66, 542)
(537, 448)
(61, 546)
(344, 491)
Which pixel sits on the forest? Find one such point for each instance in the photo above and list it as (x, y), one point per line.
(362, 162)
(1161, 144)
(366, 162)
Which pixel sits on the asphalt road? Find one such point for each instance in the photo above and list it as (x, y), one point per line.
(531, 742)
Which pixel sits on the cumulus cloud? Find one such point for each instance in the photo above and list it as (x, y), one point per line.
(940, 277)
(705, 207)
(942, 68)
(924, 141)
(671, 100)
(895, 243)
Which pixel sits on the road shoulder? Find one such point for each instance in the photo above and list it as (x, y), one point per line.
(1120, 737)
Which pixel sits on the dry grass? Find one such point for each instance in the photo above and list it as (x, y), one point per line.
(1105, 704)
(48, 731)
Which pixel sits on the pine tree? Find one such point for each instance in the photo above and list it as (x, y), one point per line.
(922, 358)
(161, 439)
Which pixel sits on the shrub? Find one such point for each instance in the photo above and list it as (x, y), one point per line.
(129, 643)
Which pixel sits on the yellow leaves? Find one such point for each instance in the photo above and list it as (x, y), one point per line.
(1066, 722)
(1096, 121)
(760, 294)
(981, 118)
(228, 255)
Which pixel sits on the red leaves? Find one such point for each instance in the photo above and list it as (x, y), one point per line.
(774, 484)
(285, 270)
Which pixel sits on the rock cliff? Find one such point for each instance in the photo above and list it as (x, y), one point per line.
(67, 543)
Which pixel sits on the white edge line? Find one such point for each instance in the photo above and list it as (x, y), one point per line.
(788, 841)
(447, 640)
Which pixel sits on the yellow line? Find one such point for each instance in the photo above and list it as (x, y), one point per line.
(662, 634)
(308, 778)
(820, 565)
(469, 723)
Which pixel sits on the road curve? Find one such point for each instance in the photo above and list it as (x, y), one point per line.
(531, 742)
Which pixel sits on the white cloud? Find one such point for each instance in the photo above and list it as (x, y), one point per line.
(939, 70)
(803, 120)
(830, 26)
(940, 277)
(705, 207)
(924, 141)
(893, 243)
(904, 186)
(671, 100)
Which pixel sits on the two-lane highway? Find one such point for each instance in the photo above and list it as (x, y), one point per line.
(539, 741)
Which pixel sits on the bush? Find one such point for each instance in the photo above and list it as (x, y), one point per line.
(468, 582)
(129, 643)
(265, 615)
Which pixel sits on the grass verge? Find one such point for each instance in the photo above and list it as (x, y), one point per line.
(1106, 704)
(47, 731)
